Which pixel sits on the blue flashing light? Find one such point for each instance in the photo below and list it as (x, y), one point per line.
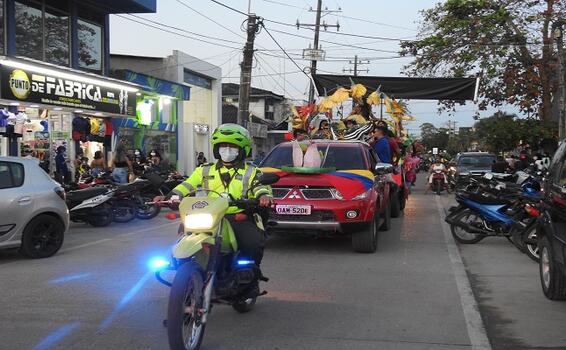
(245, 262)
(158, 263)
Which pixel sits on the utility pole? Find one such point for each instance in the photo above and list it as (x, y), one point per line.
(356, 62)
(317, 26)
(246, 70)
(558, 35)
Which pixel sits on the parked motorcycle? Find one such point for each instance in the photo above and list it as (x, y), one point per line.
(494, 209)
(91, 205)
(208, 267)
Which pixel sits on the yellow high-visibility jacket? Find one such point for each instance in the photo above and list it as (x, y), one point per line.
(241, 185)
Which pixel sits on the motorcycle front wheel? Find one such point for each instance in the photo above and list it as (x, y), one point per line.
(184, 329)
(469, 217)
(147, 211)
(124, 211)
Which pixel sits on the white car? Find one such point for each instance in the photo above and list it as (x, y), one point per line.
(33, 213)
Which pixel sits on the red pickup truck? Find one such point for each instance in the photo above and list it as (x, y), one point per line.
(351, 195)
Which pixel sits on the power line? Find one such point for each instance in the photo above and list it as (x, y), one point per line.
(184, 30)
(175, 33)
(282, 49)
(280, 75)
(333, 42)
(338, 33)
(228, 7)
(286, 5)
(210, 19)
(373, 22)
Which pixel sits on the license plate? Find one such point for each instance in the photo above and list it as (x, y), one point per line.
(293, 209)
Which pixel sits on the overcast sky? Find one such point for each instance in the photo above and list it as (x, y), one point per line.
(272, 70)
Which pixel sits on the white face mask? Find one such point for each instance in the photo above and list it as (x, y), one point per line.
(228, 154)
(137, 153)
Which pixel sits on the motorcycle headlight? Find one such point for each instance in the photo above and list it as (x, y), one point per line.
(201, 221)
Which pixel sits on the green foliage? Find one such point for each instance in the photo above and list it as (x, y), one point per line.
(505, 42)
(503, 132)
(432, 136)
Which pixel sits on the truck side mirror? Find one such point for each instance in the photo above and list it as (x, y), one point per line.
(383, 168)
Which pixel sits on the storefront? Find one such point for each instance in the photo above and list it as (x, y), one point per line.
(43, 107)
(155, 126)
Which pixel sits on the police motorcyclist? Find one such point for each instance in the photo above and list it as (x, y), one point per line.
(231, 174)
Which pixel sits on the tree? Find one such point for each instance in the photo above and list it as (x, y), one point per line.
(507, 43)
(434, 137)
(503, 132)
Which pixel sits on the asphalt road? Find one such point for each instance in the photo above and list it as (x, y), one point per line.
(414, 293)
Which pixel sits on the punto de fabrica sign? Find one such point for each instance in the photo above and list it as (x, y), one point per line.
(30, 86)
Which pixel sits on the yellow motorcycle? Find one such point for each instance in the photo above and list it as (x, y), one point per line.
(209, 268)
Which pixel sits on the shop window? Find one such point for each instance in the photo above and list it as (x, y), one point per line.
(29, 30)
(56, 37)
(90, 45)
(197, 79)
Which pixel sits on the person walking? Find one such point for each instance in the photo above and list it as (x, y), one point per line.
(120, 165)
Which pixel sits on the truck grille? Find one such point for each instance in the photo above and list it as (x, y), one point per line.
(316, 215)
(317, 193)
(280, 192)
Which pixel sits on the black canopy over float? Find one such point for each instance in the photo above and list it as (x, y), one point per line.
(457, 89)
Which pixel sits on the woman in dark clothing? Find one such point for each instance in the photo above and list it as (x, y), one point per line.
(63, 174)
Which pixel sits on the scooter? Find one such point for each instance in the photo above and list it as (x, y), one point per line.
(209, 267)
(91, 205)
(439, 182)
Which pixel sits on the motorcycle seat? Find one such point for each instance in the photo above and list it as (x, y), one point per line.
(489, 200)
(81, 195)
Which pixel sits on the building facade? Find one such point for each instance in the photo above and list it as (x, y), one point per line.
(54, 84)
(196, 117)
(267, 109)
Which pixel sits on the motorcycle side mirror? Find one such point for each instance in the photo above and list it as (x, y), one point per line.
(383, 168)
(268, 178)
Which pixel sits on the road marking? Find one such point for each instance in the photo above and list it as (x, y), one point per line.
(472, 316)
(56, 336)
(154, 228)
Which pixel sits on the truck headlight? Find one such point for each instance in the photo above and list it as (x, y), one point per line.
(363, 195)
(201, 221)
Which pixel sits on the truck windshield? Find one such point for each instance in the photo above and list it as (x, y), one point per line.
(477, 161)
(339, 157)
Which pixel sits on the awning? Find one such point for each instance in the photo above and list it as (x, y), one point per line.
(158, 86)
(458, 89)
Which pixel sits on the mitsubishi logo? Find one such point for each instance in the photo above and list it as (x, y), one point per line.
(294, 195)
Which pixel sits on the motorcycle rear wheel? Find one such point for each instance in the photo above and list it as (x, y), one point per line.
(530, 240)
(244, 306)
(459, 234)
(184, 330)
(104, 216)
